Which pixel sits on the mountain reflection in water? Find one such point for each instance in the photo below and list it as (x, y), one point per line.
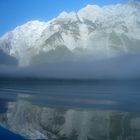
(71, 111)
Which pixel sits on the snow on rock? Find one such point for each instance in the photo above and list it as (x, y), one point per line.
(99, 31)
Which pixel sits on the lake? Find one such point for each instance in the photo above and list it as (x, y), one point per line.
(71, 109)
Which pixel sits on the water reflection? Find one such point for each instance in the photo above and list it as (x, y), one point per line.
(42, 122)
(99, 95)
(71, 110)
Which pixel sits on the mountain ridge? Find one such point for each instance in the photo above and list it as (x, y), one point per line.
(93, 31)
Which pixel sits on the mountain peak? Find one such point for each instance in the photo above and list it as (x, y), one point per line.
(94, 31)
(90, 12)
(64, 16)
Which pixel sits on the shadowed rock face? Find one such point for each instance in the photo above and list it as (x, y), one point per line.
(5, 59)
(59, 54)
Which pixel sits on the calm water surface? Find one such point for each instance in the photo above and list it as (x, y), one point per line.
(71, 110)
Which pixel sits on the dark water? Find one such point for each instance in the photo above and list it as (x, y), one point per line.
(71, 110)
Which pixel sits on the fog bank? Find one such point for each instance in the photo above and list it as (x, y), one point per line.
(123, 67)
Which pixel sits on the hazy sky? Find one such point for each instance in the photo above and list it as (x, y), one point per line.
(17, 12)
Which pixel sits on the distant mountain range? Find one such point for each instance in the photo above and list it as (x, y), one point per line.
(93, 32)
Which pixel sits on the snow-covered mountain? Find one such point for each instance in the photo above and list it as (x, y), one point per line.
(98, 32)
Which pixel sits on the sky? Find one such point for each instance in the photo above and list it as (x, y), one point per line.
(17, 12)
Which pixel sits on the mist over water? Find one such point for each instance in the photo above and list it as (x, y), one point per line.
(122, 67)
